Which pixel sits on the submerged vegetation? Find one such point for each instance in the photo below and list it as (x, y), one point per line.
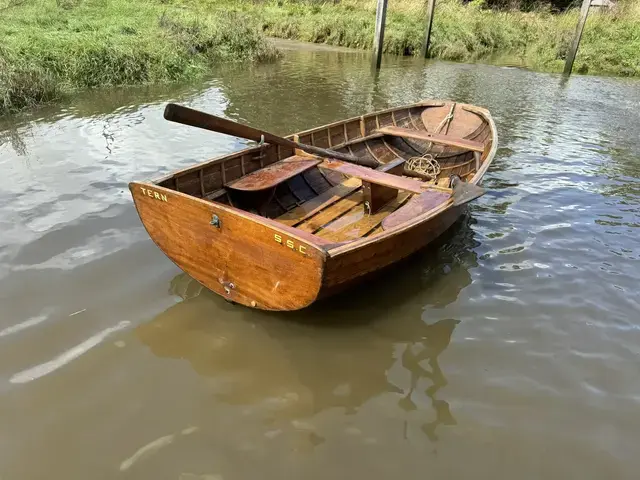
(49, 48)
(536, 35)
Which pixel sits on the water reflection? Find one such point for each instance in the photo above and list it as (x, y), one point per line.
(521, 327)
(340, 353)
(11, 137)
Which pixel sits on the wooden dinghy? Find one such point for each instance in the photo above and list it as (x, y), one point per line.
(275, 227)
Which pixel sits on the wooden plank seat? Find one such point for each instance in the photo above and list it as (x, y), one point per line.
(432, 137)
(274, 174)
(418, 205)
(375, 176)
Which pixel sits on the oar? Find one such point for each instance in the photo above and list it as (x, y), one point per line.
(464, 192)
(188, 116)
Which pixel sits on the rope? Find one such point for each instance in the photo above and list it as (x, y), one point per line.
(426, 164)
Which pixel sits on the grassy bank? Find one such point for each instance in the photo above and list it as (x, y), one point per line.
(49, 48)
(538, 39)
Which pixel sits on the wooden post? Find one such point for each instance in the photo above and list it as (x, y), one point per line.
(425, 46)
(584, 11)
(378, 40)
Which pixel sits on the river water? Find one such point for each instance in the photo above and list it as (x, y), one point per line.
(509, 349)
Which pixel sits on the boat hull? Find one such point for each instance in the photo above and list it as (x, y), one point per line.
(346, 267)
(304, 246)
(245, 258)
(258, 263)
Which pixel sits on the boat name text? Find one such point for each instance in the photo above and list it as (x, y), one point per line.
(153, 194)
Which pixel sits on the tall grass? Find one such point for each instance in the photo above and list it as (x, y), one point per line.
(51, 47)
(538, 39)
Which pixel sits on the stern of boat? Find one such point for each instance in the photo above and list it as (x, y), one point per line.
(245, 258)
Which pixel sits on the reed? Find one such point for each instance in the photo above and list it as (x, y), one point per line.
(538, 39)
(49, 48)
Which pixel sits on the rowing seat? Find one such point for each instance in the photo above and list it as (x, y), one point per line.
(380, 186)
(415, 207)
(377, 177)
(273, 175)
(432, 137)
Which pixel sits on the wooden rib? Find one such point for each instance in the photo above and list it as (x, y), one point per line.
(331, 213)
(362, 224)
(449, 167)
(363, 129)
(346, 136)
(366, 144)
(176, 180)
(412, 147)
(304, 179)
(280, 204)
(216, 194)
(393, 117)
(319, 203)
(242, 164)
(329, 137)
(223, 172)
(299, 200)
(201, 183)
(413, 121)
(396, 154)
(326, 178)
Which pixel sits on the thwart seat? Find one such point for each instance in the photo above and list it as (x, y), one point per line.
(432, 137)
(274, 174)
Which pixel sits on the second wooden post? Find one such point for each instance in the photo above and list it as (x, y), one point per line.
(431, 5)
(584, 11)
(378, 39)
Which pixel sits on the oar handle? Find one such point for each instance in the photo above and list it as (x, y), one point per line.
(195, 118)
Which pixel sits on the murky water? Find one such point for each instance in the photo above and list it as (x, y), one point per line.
(508, 350)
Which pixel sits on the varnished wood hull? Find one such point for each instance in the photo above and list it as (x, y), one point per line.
(346, 267)
(259, 259)
(240, 259)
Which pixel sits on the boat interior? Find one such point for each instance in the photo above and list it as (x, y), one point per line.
(341, 202)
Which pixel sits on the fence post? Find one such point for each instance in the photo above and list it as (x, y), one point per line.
(431, 5)
(378, 39)
(584, 11)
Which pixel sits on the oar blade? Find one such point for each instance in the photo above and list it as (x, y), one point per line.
(464, 192)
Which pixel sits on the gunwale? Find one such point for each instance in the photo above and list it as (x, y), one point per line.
(345, 246)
